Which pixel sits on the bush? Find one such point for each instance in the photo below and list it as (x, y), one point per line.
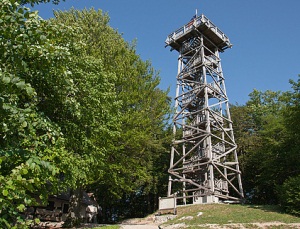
(289, 195)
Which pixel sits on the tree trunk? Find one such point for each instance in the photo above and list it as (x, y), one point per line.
(148, 203)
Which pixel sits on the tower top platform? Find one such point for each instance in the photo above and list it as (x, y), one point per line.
(213, 36)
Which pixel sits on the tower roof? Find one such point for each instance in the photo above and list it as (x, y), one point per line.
(199, 25)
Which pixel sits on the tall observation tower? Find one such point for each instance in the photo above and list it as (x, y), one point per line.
(204, 166)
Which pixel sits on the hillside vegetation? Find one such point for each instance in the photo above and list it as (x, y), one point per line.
(232, 216)
(81, 111)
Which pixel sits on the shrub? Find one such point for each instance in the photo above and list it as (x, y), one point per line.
(289, 195)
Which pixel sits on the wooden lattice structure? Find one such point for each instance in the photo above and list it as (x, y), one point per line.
(203, 154)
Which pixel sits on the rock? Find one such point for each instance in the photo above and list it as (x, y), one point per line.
(200, 213)
(172, 226)
(163, 218)
(186, 218)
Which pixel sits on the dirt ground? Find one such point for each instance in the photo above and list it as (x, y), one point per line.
(152, 222)
(139, 227)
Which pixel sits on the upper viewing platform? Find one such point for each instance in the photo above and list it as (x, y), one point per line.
(213, 36)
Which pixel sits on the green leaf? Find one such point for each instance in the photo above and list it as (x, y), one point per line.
(24, 124)
(37, 221)
(27, 201)
(5, 192)
(43, 37)
(29, 90)
(24, 171)
(6, 80)
(21, 84)
(21, 207)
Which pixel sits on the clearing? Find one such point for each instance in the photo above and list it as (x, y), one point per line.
(231, 216)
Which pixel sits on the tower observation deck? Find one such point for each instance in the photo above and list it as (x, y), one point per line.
(204, 165)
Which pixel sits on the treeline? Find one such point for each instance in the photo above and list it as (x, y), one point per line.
(267, 131)
(80, 111)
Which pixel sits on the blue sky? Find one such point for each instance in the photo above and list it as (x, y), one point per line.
(265, 35)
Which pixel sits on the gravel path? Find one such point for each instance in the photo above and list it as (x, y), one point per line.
(139, 226)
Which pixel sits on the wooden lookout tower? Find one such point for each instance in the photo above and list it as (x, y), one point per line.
(204, 167)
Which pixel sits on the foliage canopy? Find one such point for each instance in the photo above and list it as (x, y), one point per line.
(267, 133)
(79, 109)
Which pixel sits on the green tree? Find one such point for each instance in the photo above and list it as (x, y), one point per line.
(266, 133)
(75, 99)
(260, 163)
(90, 135)
(291, 122)
(33, 2)
(144, 107)
(289, 195)
(289, 192)
(32, 152)
(58, 113)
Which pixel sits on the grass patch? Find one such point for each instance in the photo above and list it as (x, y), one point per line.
(111, 227)
(230, 214)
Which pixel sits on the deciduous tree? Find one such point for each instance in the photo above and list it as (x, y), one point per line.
(58, 113)
(31, 144)
(266, 132)
(144, 107)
